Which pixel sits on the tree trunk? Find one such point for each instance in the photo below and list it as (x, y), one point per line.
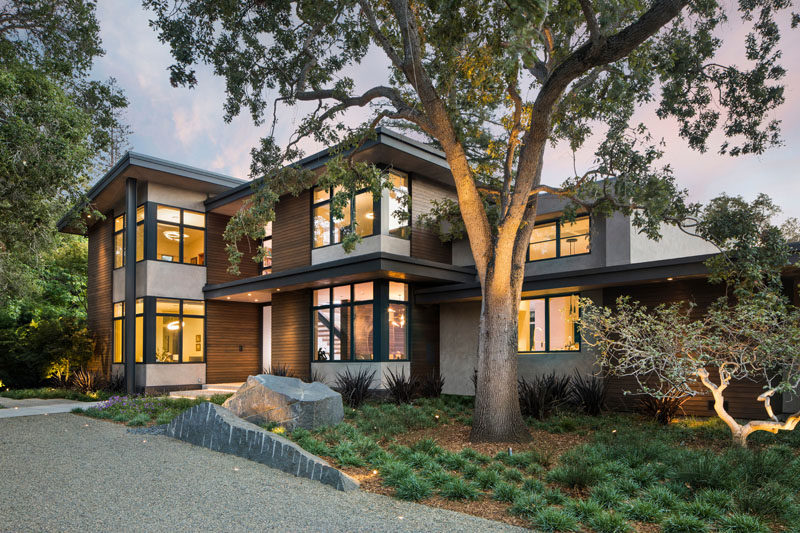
(497, 416)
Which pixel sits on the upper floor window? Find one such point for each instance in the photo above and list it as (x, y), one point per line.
(552, 239)
(399, 206)
(549, 324)
(119, 238)
(328, 230)
(266, 263)
(180, 235)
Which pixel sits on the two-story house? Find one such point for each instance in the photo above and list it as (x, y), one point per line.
(159, 290)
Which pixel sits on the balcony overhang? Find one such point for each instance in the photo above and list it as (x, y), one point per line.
(377, 265)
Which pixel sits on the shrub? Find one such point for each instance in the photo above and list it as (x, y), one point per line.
(487, 479)
(86, 381)
(554, 497)
(771, 499)
(421, 461)
(553, 519)
(720, 499)
(440, 478)
(575, 475)
(459, 489)
(412, 488)
(742, 523)
(543, 394)
(705, 470)
(142, 419)
(505, 492)
(700, 509)
(354, 388)
(643, 511)
(452, 461)
(663, 497)
(608, 522)
(116, 383)
(527, 504)
(278, 370)
(319, 377)
(607, 495)
(585, 510)
(662, 410)
(681, 523)
(395, 472)
(427, 446)
(401, 388)
(533, 485)
(588, 393)
(431, 385)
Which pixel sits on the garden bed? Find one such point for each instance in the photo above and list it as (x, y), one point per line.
(145, 410)
(49, 393)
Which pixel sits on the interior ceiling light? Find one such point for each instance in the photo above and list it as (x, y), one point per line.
(173, 235)
(172, 326)
(370, 215)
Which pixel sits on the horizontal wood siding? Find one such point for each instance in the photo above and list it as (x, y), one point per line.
(741, 396)
(217, 258)
(233, 350)
(424, 341)
(291, 233)
(425, 244)
(291, 331)
(99, 295)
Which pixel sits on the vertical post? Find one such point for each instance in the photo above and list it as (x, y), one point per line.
(130, 285)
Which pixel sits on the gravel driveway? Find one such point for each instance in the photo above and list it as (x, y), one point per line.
(70, 473)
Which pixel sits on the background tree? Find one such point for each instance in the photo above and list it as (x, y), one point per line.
(491, 83)
(751, 333)
(54, 120)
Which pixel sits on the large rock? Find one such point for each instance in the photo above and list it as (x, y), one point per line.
(288, 402)
(214, 427)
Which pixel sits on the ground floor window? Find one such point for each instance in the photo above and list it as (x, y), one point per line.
(179, 331)
(348, 320)
(119, 331)
(549, 324)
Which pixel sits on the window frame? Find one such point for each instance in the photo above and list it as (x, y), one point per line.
(180, 316)
(352, 304)
(115, 232)
(266, 270)
(376, 222)
(121, 319)
(575, 325)
(181, 225)
(407, 305)
(559, 221)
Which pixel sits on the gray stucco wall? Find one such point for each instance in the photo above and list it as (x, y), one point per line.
(458, 354)
(159, 278)
(674, 243)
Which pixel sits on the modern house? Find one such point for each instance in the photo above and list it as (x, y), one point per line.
(163, 306)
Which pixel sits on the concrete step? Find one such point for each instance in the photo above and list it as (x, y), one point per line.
(206, 391)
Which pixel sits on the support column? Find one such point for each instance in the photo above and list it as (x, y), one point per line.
(130, 285)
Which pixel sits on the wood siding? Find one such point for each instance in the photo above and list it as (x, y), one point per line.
(424, 341)
(291, 332)
(740, 396)
(233, 348)
(217, 258)
(99, 293)
(291, 235)
(425, 244)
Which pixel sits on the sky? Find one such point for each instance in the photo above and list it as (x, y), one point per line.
(186, 125)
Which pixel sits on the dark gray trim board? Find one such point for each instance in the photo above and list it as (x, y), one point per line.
(581, 279)
(375, 262)
(130, 285)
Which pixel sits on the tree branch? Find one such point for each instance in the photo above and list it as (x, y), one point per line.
(591, 21)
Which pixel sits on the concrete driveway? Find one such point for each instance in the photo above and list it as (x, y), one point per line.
(65, 472)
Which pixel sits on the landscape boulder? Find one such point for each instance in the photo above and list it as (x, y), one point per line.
(288, 402)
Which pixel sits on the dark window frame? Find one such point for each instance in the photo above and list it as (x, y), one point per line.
(576, 327)
(330, 306)
(181, 226)
(267, 269)
(121, 319)
(376, 222)
(180, 316)
(559, 224)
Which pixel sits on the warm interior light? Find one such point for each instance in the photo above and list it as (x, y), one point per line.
(670, 279)
(228, 297)
(255, 300)
(173, 235)
(172, 326)
(249, 293)
(370, 215)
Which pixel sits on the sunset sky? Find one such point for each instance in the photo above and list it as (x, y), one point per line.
(186, 125)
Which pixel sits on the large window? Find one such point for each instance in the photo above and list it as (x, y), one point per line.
(554, 239)
(119, 331)
(180, 235)
(399, 207)
(119, 238)
(344, 323)
(179, 331)
(549, 324)
(266, 263)
(398, 321)
(328, 230)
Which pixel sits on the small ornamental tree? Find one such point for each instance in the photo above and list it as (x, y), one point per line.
(492, 84)
(751, 333)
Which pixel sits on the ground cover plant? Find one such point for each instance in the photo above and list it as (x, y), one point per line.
(611, 473)
(52, 392)
(145, 410)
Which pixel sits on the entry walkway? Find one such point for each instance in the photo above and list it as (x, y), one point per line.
(38, 406)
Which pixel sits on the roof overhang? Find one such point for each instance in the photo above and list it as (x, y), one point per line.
(387, 147)
(377, 265)
(111, 187)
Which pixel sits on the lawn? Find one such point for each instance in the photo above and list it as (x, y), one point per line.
(48, 393)
(613, 473)
(144, 410)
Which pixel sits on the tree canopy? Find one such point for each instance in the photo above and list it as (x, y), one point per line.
(54, 122)
(493, 84)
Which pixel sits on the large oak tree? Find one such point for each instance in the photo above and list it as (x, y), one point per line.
(491, 83)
